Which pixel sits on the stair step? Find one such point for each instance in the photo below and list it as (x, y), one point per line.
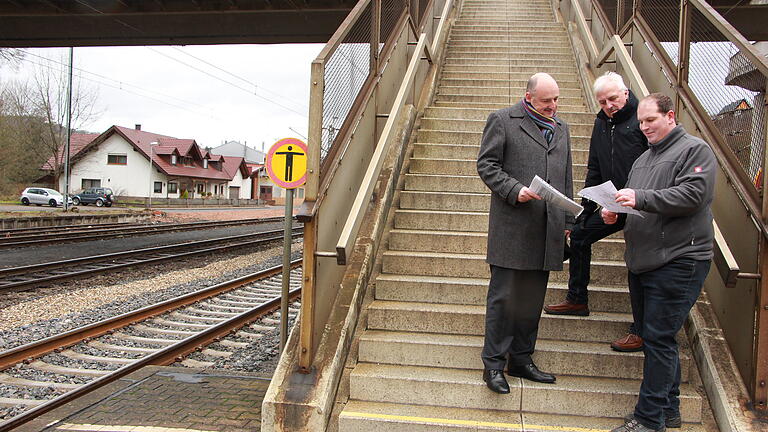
(472, 291)
(469, 113)
(474, 242)
(477, 125)
(452, 183)
(474, 265)
(441, 136)
(559, 357)
(462, 166)
(456, 319)
(469, 151)
(462, 388)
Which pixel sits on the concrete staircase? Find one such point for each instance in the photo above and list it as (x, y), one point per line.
(418, 364)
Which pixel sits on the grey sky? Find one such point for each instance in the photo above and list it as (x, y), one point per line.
(267, 90)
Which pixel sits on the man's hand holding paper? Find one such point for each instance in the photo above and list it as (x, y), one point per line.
(610, 199)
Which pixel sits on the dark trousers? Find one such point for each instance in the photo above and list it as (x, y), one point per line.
(583, 236)
(661, 301)
(513, 309)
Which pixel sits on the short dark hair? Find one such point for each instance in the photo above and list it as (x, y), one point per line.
(663, 102)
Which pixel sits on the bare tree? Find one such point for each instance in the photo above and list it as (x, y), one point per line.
(33, 116)
(50, 94)
(11, 56)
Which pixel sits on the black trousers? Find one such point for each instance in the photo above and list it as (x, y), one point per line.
(513, 309)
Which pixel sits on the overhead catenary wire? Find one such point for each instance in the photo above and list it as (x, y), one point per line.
(119, 82)
(208, 115)
(227, 82)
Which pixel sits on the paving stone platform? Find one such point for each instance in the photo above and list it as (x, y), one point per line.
(165, 399)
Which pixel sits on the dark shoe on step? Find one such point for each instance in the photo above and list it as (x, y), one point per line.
(635, 426)
(567, 308)
(629, 343)
(531, 372)
(494, 379)
(670, 421)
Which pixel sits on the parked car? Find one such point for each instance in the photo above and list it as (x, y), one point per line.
(100, 196)
(42, 196)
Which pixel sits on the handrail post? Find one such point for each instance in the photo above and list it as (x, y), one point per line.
(683, 58)
(308, 298)
(375, 35)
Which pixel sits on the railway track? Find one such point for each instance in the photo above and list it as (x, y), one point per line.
(61, 368)
(26, 277)
(71, 233)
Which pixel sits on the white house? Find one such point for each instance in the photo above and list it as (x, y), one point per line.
(235, 148)
(120, 157)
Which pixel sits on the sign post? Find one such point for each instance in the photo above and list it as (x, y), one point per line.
(286, 164)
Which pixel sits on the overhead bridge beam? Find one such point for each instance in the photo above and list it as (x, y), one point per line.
(89, 23)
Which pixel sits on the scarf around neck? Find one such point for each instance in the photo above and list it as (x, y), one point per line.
(546, 124)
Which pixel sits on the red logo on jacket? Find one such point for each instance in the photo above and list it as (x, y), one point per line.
(697, 169)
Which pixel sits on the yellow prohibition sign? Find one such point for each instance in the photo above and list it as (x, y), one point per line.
(287, 163)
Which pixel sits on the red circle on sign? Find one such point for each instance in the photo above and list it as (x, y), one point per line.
(275, 179)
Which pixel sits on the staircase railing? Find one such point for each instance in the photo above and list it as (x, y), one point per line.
(354, 104)
(718, 80)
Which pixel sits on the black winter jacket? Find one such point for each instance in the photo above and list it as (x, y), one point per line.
(616, 143)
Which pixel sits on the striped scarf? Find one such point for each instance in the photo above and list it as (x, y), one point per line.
(546, 124)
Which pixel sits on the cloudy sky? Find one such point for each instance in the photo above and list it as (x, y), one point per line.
(248, 93)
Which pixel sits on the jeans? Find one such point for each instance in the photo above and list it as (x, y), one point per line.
(583, 236)
(513, 309)
(661, 301)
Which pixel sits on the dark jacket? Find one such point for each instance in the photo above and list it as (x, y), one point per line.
(530, 235)
(616, 143)
(674, 184)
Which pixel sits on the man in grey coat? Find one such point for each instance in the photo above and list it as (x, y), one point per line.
(526, 235)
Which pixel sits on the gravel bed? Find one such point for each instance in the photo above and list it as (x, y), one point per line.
(82, 302)
(87, 349)
(114, 340)
(36, 375)
(60, 360)
(260, 356)
(12, 391)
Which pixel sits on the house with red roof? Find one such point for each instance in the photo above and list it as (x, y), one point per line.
(119, 158)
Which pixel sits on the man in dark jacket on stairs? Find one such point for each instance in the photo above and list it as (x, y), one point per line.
(616, 143)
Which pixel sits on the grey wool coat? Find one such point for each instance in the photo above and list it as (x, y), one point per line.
(529, 235)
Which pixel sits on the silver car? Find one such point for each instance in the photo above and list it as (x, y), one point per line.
(42, 196)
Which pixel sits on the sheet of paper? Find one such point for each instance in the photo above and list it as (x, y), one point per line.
(552, 195)
(605, 195)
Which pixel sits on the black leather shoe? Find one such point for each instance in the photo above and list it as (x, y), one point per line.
(494, 379)
(531, 372)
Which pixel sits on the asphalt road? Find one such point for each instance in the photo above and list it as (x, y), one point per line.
(90, 208)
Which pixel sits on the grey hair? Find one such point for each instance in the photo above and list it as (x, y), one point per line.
(608, 77)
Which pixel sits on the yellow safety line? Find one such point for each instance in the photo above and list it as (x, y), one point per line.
(468, 422)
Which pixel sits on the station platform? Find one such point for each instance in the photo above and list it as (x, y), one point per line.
(164, 399)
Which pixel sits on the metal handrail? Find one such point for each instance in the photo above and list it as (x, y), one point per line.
(355, 218)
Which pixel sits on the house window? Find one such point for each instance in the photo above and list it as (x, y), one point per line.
(117, 159)
(186, 161)
(158, 187)
(215, 189)
(200, 188)
(173, 159)
(90, 183)
(173, 188)
(205, 163)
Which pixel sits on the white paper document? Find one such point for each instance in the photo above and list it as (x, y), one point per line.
(605, 195)
(552, 195)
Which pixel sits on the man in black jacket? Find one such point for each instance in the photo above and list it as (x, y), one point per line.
(669, 251)
(616, 143)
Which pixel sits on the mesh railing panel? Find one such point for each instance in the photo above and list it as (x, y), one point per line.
(609, 8)
(731, 89)
(346, 70)
(391, 11)
(624, 12)
(663, 16)
(422, 10)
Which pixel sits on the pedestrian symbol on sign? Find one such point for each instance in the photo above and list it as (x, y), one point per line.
(287, 163)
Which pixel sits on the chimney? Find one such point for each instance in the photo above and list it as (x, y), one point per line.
(138, 126)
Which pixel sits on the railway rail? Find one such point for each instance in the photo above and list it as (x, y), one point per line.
(161, 334)
(21, 237)
(25, 277)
